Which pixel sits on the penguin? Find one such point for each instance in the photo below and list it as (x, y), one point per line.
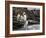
(25, 19)
(18, 17)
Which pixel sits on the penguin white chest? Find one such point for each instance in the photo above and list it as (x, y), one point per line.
(25, 17)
